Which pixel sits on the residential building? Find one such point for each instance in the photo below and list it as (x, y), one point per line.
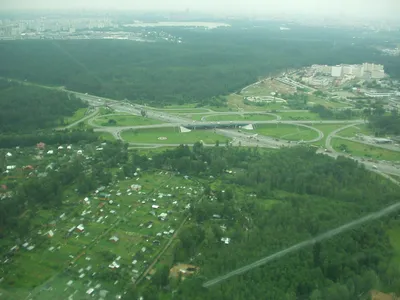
(337, 71)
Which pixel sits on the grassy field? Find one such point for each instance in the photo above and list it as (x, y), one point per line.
(366, 151)
(185, 111)
(173, 136)
(354, 130)
(285, 131)
(124, 120)
(237, 117)
(236, 101)
(394, 237)
(326, 129)
(299, 116)
(106, 136)
(79, 114)
(89, 253)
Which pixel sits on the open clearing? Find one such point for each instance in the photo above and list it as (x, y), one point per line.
(326, 129)
(79, 114)
(356, 129)
(172, 135)
(235, 102)
(73, 261)
(299, 116)
(266, 87)
(238, 117)
(106, 136)
(366, 151)
(285, 131)
(124, 120)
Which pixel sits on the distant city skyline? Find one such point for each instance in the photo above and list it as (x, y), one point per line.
(366, 9)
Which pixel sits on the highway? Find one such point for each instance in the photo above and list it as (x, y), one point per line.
(238, 138)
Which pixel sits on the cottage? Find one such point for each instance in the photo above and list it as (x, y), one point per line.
(79, 152)
(90, 291)
(113, 265)
(163, 215)
(114, 239)
(136, 187)
(8, 154)
(50, 233)
(60, 148)
(50, 152)
(155, 206)
(41, 145)
(11, 167)
(80, 228)
(225, 240)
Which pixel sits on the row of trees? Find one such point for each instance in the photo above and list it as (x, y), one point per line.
(299, 195)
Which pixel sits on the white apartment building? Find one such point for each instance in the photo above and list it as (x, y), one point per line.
(337, 71)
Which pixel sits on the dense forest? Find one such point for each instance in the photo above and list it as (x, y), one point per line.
(206, 64)
(26, 108)
(272, 201)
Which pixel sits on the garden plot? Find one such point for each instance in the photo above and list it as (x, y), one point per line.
(96, 245)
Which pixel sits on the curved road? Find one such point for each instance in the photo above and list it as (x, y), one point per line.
(239, 139)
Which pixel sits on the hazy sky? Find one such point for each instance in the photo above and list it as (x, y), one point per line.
(377, 8)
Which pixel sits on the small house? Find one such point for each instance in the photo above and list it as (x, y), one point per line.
(41, 145)
(114, 239)
(50, 234)
(136, 187)
(80, 228)
(113, 265)
(225, 240)
(163, 215)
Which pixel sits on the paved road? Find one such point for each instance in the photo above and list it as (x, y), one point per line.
(242, 139)
(385, 167)
(91, 115)
(390, 147)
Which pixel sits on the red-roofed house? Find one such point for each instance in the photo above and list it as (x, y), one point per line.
(41, 145)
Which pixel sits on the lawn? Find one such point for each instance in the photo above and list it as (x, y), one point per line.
(366, 151)
(237, 117)
(106, 136)
(299, 116)
(236, 101)
(172, 135)
(326, 129)
(285, 131)
(394, 237)
(356, 129)
(124, 120)
(79, 114)
(184, 111)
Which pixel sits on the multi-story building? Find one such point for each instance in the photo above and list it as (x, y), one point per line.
(337, 71)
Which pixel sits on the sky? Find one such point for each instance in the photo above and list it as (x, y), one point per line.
(365, 8)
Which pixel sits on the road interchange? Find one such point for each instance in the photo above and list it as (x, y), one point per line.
(238, 138)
